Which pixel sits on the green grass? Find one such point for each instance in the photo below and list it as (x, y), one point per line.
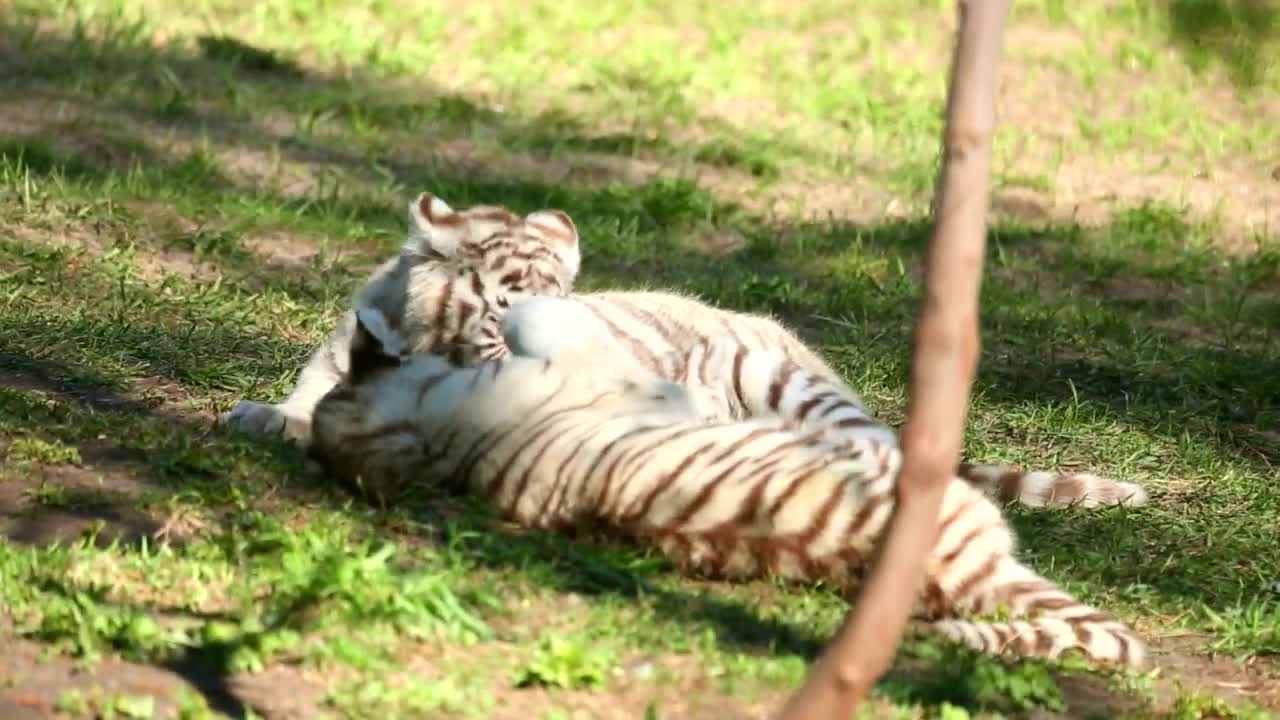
(189, 195)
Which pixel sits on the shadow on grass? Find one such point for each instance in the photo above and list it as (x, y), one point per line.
(132, 454)
(117, 93)
(1244, 35)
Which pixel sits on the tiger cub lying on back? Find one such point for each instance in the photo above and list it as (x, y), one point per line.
(484, 282)
(554, 443)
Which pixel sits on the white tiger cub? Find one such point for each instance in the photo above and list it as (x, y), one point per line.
(590, 438)
(467, 272)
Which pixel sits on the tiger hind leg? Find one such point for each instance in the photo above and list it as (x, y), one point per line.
(800, 507)
(1043, 621)
(972, 571)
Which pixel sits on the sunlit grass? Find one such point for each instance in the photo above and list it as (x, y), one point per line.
(189, 195)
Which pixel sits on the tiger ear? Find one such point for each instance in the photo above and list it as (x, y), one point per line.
(375, 346)
(433, 226)
(556, 225)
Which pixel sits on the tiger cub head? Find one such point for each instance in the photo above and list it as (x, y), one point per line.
(535, 254)
(538, 252)
(467, 266)
(362, 431)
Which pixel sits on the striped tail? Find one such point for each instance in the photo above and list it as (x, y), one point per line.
(1038, 488)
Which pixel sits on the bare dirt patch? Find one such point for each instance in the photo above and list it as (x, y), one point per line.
(1043, 101)
(694, 696)
(283, 250)
(152, 263)
(1040, 104)
(31, 684)
(100, 491)
(87, 501)
(1244, 202)
(674, 686)
(1183, 659)
(143, 395)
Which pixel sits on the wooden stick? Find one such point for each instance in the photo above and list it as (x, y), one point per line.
(944, 359)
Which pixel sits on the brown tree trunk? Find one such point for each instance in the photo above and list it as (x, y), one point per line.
(944, 359)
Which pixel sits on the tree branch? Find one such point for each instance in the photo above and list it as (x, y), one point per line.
(944, 359)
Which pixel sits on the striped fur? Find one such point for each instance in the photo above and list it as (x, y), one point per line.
(554, 443)
(455, 274)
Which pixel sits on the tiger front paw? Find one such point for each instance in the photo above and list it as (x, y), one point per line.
(267, 419)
